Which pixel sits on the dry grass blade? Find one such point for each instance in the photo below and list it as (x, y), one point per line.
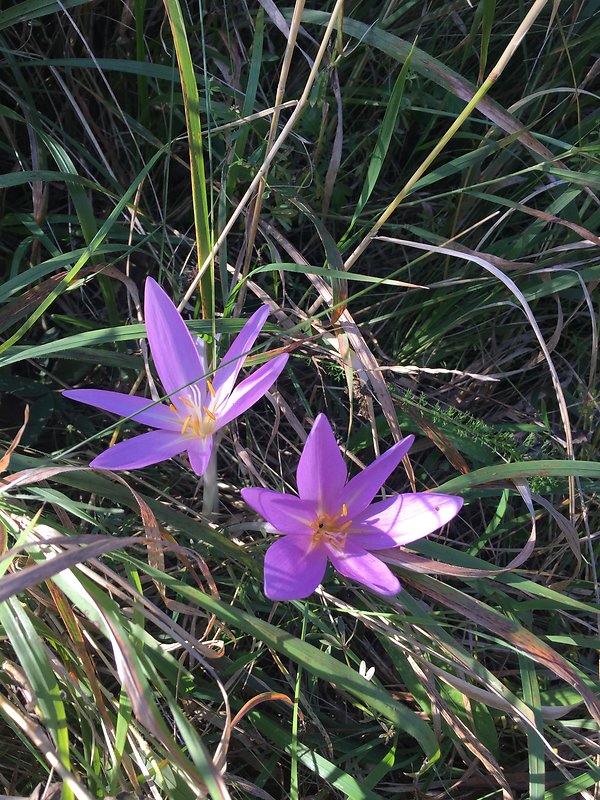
(70, 557)
(5, 459)
(464, 735)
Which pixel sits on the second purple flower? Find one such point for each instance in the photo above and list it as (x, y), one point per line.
(334, 519)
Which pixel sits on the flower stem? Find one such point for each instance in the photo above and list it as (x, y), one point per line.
(210, 493)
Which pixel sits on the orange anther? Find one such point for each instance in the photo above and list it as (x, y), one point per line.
(209, 414)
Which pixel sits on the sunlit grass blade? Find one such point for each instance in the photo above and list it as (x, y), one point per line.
(192, 114)
(40, 676)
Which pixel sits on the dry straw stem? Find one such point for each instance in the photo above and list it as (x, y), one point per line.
(42, 743)
(283, 76)
(270, 156)
(456, 125)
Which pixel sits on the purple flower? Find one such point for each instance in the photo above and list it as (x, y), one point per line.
(334, 519)
(199, 407)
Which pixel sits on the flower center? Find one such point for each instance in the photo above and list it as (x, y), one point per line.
(201, 421)
(331, 529)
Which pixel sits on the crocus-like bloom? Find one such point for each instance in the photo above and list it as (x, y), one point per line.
(199, 407)
(334, 519)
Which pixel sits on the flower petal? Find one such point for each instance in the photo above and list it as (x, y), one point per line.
(249, 391)
(177, 359)
(356, 563)
(127, 405)
(231, 363)
(199, 451)
(292, 569)
(361, 489)
(285, 512)
(403, 519)
(321, 472)
(140, 451)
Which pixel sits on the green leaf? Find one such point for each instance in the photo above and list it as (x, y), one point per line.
(519, 471)
(87, 254)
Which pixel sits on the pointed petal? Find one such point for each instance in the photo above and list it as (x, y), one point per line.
(361, 489)
(292, 570)
(402, 519)
(285, 512)
(249, 391)
(126, 405)
(232, 361)
(175, 354)
(321, 472)
(356, 563)
(201, 348)
(141, 451)
(199, 451)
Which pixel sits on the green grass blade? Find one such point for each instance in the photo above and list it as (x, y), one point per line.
(194, 126)
(518, 471)
(384, 137)
(32, 9)
(535, 748)
(32, 656)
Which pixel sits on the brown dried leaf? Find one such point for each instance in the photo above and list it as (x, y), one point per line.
(5, 459)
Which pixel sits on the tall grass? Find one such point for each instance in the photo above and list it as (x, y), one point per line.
(413, 188)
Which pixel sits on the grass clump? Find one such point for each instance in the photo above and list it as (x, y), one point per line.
(413, 191)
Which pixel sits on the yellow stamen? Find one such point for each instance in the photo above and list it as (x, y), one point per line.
(186, 401)
(209, 414)
(330, 529)
(186, 424)
(210, 388)
(172, 407)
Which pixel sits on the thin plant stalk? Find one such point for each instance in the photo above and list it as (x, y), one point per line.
(256, 207)
(210, 485)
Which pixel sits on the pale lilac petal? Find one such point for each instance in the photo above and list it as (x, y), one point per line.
(141, 451)
(403, 518)
(285, 512)
(292, 569)
(321, 472)
(249, 391)
(174, 351)
(199, 451)
(231, 363)
(201, 348)
(361, 489)
(126, 405)
(356, 563)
